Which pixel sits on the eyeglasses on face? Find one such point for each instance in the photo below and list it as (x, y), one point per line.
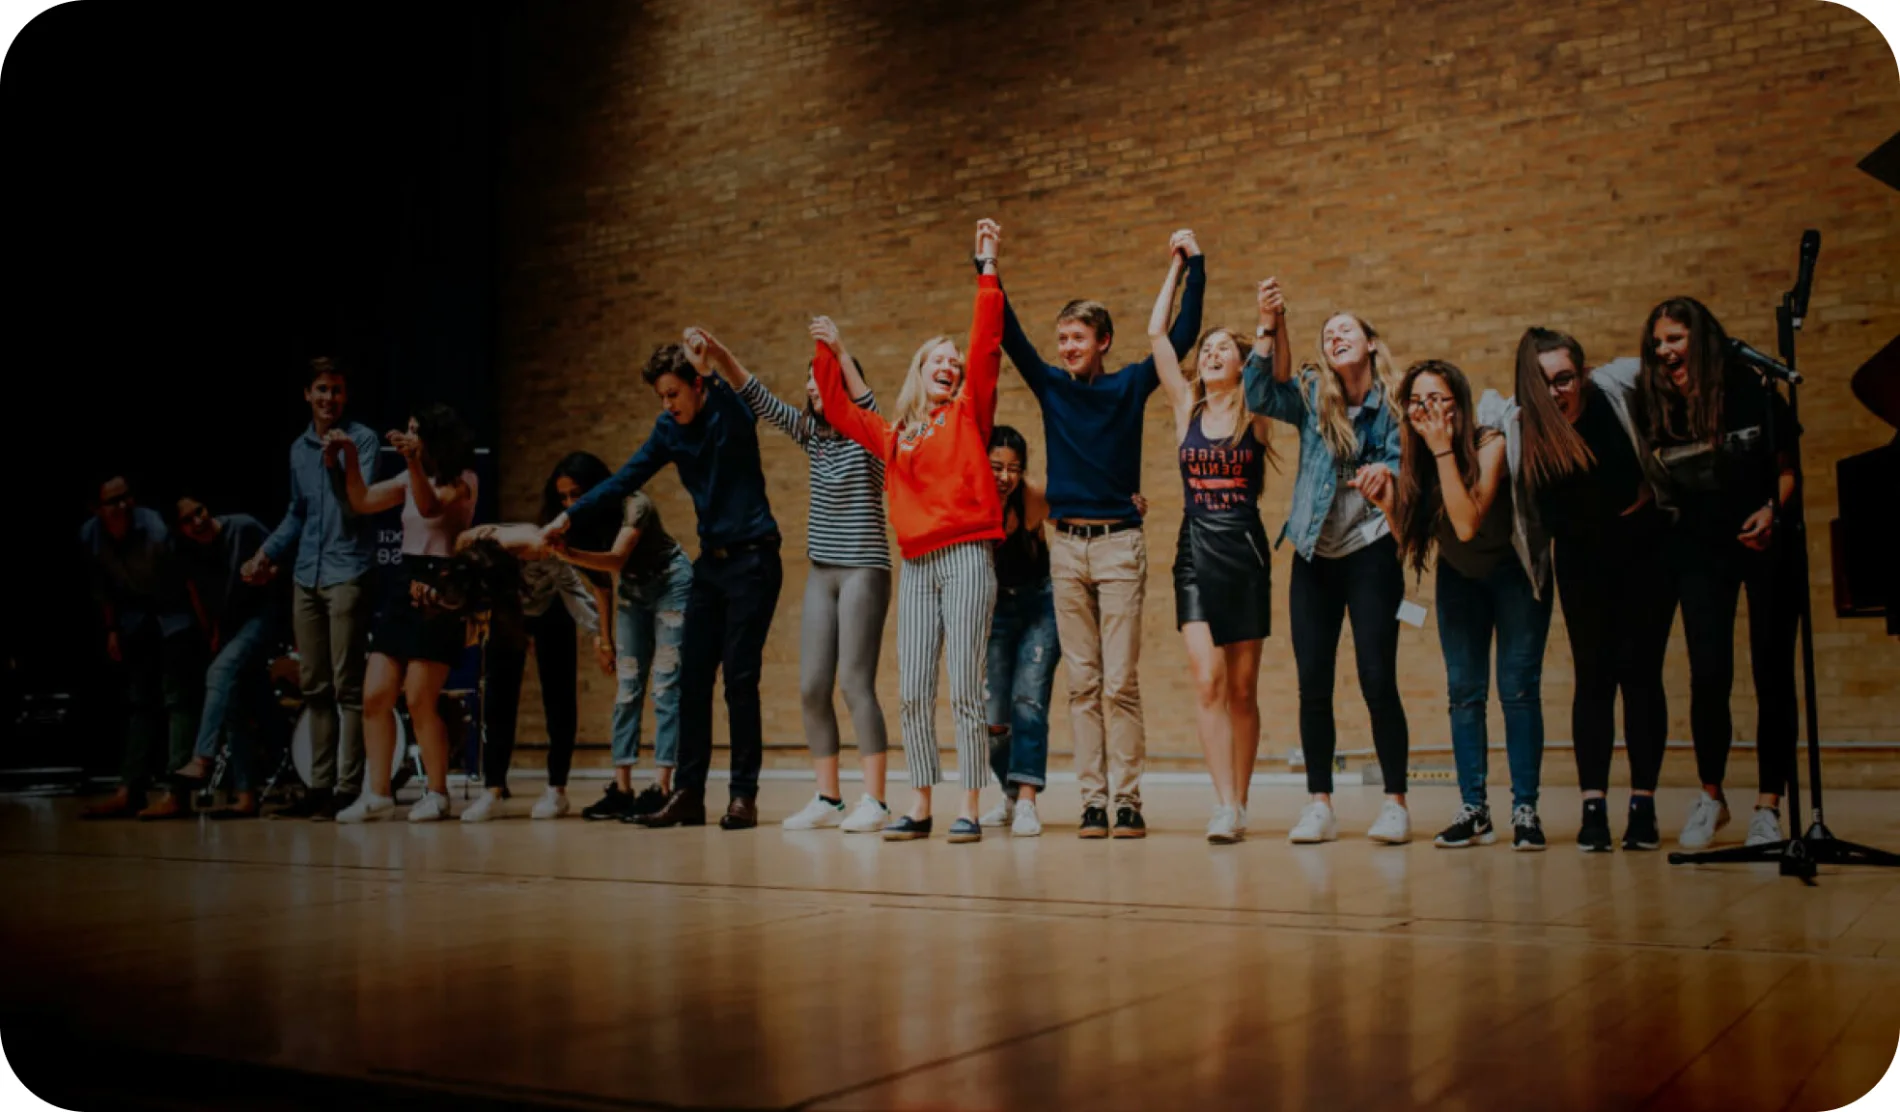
(1563, 383)
(1419, 402)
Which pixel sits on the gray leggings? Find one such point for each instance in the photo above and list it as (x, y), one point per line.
(840, 637)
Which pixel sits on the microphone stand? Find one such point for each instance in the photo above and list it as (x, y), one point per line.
(1800, 856)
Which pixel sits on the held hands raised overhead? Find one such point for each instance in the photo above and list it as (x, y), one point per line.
(989, 237)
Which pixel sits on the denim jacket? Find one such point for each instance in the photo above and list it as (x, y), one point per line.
(1296, 401)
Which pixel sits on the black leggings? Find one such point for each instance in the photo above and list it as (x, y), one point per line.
(1368, 585)
(1710, 579)
(555, 657)
(1618, 602)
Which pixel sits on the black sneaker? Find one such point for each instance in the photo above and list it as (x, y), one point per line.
(613, 805)
(1128, 823)
(649, 801)
(1471, 827)
(1594, 835)
(338, 803)
(1094, 823)
(307, 805)
(1527, 833)
(1641, 833)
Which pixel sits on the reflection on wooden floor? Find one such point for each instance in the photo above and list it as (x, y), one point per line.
(589, 965)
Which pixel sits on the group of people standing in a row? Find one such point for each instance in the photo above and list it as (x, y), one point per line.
(1626, 491)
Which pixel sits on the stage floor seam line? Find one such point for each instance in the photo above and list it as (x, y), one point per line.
(1690, 1060)
(1116, 909)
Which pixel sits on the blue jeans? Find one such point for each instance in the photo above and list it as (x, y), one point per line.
(1023, 652)
(1468, 611)
(649, 627)
(234, 696)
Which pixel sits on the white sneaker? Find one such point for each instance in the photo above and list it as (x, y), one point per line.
(369, 807)
(552, 805)
(483, 809)
(1240, 819)
(868, 817)
(432, 807)
(1705, 818)
(1393, 826)
(1316, 824)
(817, 815)
(1221, 829)
(1027, 824)
(999, 815)
(1764, 827)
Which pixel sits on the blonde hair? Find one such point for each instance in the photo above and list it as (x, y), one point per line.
(913, 401)
(1335, 427)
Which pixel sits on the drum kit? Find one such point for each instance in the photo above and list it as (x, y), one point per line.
(286, 746)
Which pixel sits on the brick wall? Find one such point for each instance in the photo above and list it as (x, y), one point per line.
(1455, 172)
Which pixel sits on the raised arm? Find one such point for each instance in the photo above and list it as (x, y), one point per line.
(341, 454)
(862, 425)
(983, 359)
(1268, 378)
(1167, 363)
(1187, 327)
(709, 356)
(1016, 344)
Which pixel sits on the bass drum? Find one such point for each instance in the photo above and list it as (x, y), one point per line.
(302, 751)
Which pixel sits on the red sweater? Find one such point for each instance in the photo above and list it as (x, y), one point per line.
(937, 471)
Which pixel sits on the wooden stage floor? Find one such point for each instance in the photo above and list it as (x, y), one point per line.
(596, 965)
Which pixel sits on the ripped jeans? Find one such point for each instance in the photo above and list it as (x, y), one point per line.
(1023, 652)
(649, 627)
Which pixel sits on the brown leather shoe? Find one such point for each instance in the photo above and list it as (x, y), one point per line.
(683, 808)
(120, 806)
(741, 814)
(171, 805)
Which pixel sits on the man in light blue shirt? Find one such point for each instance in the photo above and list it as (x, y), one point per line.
(335, 552)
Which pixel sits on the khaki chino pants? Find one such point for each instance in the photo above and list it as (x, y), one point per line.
(1099, 586)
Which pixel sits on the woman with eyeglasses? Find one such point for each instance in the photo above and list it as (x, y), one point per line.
(1585, 467)
(1712, 421)
(1345, 560)
(1222, 574)
(1454, 494)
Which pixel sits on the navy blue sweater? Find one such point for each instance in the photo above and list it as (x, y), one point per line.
(718, 461)
(1092, 429)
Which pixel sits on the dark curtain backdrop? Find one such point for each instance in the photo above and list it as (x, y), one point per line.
(196, 201)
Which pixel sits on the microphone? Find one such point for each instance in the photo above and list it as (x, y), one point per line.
(1804, 281)
(1768, 366)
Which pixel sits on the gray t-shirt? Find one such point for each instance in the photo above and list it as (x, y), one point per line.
(1352, 521)
(655, 549)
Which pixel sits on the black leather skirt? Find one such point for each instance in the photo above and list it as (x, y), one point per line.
(1223, 575)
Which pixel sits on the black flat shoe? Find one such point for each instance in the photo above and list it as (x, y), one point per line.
(907, 829)
(965, 830)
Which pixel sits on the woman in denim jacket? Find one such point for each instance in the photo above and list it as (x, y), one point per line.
(1346, 562)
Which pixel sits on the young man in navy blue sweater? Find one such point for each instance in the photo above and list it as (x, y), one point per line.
(1091, 420)
(711, 438)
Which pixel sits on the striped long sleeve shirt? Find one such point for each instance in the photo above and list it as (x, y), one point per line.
(847, 523)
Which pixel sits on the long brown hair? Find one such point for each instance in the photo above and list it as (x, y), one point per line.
(1335, 427)
(1553, 449)
(1708, 356)
(1421, 504)
(1242, 417)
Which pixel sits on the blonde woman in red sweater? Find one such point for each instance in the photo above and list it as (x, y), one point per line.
(945, 511)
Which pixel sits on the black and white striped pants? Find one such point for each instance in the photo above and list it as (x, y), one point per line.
(945, 600)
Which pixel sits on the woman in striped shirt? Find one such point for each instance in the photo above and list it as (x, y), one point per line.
(847, 590)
